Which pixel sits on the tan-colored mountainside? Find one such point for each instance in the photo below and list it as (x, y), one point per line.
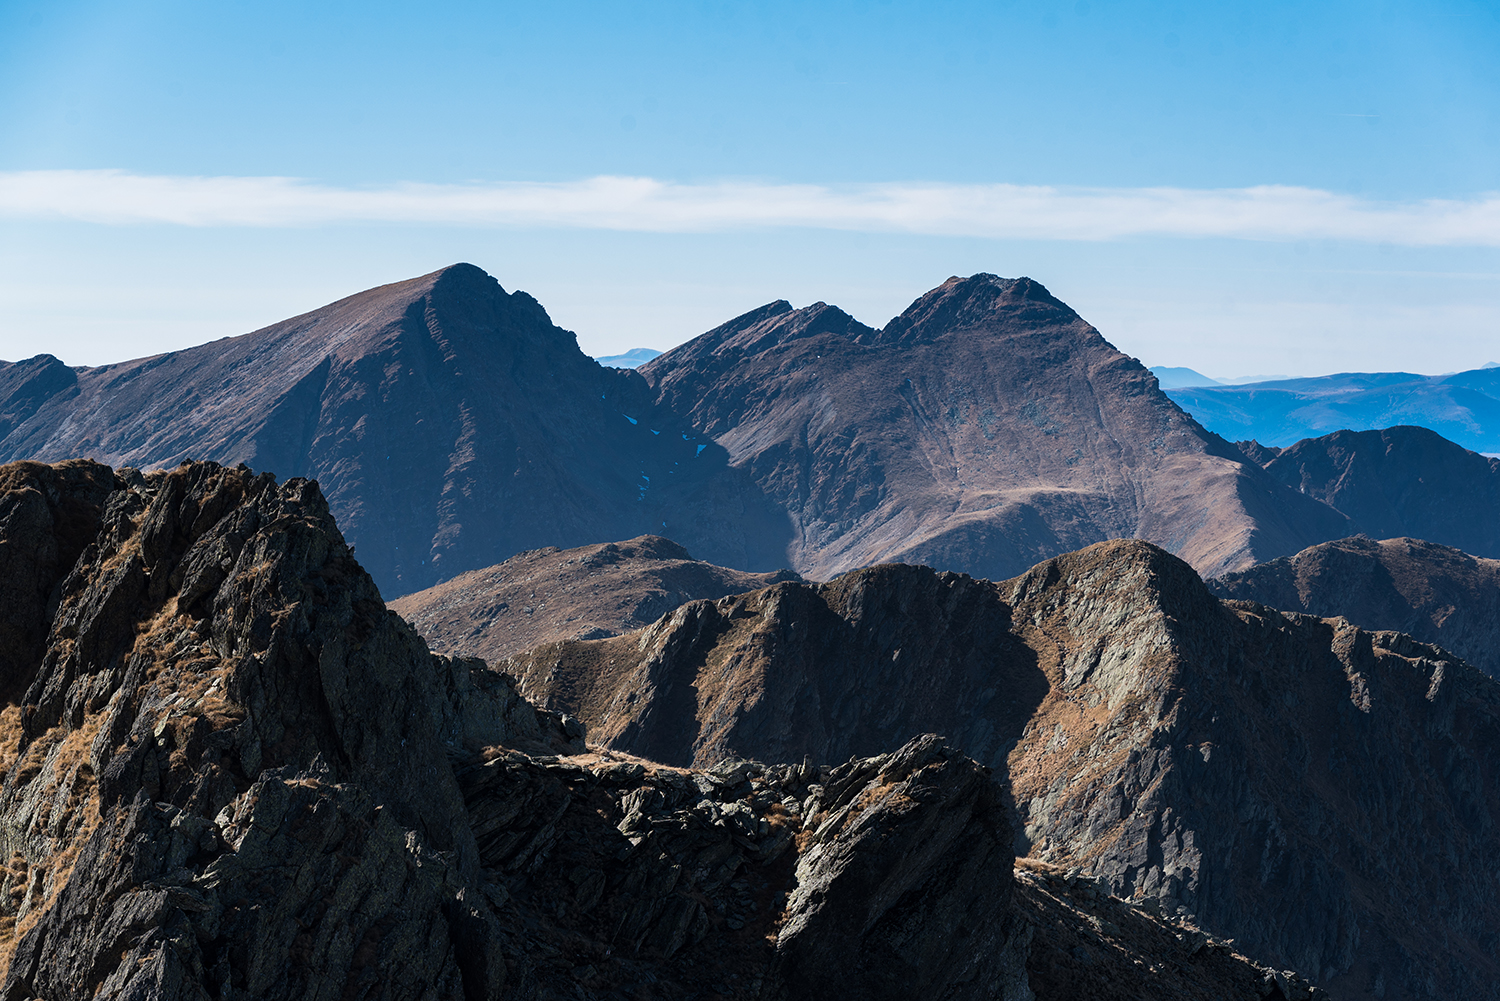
(1399, 481)
(986, 427)
(1436, 594)
(229, 772)
(548, 595)
(1317, 792)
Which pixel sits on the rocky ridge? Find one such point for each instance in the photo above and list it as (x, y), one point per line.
(1259, 773)
(232, 773)
(547, 595)
(1433, 593)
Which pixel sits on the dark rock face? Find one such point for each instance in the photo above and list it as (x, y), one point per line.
(819, 671)
(1402, 481)
(985, 428)
(230, 774)
(1090, 946)
(47, 515)
(450, 423)
(889, 876)
(1258, 772)
(547, 595)
(1433, 593)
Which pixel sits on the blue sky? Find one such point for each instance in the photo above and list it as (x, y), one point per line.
(1242, 188)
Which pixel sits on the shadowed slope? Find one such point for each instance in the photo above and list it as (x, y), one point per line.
(1400, 481)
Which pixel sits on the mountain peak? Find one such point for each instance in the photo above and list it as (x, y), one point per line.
(981, 300)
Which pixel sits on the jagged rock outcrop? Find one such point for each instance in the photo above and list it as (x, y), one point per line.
(1433, 593)
(547, 595)
(1091, 946)
(1400, 481)
(47, 515)
(230, 774)
(1317, 792)
(986, 427)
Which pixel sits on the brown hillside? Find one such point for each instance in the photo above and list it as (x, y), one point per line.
(1436, 594)
(548, 595)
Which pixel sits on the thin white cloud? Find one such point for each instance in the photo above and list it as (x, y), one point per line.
(633, 203)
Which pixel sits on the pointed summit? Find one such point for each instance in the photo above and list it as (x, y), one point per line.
(981, 300)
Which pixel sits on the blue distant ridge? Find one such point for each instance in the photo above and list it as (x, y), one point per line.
(630, 359)
(1463, 407)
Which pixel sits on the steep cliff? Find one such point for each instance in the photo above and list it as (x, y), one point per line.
(1434, 593)
(235, 774)
(1319, 793)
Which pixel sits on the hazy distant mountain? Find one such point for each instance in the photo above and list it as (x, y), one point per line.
(1463, 407)
(1169, 377)
(630, 359)
(983, 429)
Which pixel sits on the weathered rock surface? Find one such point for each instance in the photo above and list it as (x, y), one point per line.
(1433, 593)
(986, 427)
(1401, 481)
(547, 595)
(1319, 793)
(230, 774)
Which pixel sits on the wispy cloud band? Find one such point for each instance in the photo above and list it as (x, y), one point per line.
(1006, 211)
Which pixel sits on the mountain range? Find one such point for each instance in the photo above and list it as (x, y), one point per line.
(1463, 407)
(1199, 739)
(452, 425)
